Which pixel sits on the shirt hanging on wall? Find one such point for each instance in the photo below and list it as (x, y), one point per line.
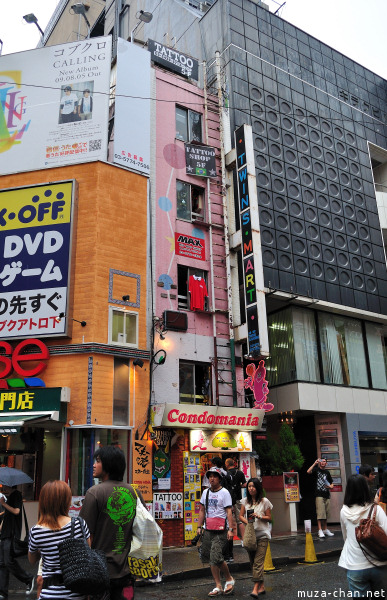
(198, 292)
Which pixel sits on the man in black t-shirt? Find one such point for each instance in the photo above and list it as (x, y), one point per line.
(234, 481)
(323, 484)
(12, 504)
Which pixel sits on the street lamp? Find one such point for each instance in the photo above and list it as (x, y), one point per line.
(144, 17)
(80, 9)
(32, 19)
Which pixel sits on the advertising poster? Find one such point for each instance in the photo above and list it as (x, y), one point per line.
(168, 506)
(35, 253)
(161, 473)
(142, 467)
(132, 110)
(76, 505)
(54, 104)
(224, 441)
(192, 492)
(291, 487)
(192, 247)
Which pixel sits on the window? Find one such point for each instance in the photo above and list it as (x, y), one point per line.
(342, 350)
(188, 125)
(189, 202)
(194, 383)
(376, 342)
(123, 327)
(121, 391)
(183, 278)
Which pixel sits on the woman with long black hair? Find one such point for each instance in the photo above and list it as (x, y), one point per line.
(365, 575)
(255, 507)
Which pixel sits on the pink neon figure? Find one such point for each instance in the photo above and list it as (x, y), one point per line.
(257, 383)
(200, 442)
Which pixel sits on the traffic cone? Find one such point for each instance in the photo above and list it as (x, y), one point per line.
(268, 566)
(310, 553)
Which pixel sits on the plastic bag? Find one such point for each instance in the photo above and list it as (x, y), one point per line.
(145, 556)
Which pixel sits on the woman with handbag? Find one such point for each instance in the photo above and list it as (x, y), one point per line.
(256, 509)
(365, 573)
(53, 527)
(381, 494)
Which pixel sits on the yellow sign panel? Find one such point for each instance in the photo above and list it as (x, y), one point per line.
(35, 206)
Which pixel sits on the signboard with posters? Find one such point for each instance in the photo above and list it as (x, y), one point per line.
(192, 247)
(200, 160)
(291, 487)
(132, 109)
(174, 60)
(168, 506)
(192, 493)
(161, 474)
(54, 104)
(142, 467)
(35, 254)
(225, 441)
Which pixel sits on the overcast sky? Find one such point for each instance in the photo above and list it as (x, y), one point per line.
(357, 28)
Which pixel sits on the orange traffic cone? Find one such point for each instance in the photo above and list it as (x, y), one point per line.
(268, 566)
(310, 553)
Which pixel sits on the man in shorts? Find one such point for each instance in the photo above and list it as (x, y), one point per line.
(323, 484)
(215, 513)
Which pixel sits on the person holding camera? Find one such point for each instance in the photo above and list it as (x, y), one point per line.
(257, 509)
(324, 483)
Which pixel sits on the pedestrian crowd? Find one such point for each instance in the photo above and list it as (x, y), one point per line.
(105, 530)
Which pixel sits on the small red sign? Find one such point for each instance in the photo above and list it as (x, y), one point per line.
(337, 488)
(191, 247)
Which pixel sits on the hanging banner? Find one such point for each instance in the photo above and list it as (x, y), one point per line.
(161, 474)
(174, 60)
(61, 118)
(132, 108)
(142, 467)
(200, 160)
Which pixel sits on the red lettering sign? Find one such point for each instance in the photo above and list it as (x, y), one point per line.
(13, 358)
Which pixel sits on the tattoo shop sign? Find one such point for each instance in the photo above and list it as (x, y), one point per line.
(200, 160)
(172, 59)
(35, 252)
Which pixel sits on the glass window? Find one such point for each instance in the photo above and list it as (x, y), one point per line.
(188, 125)
(123, 327)
(183, 275)
(305, 345)
(194, 383)
(189, 202)
(281, 365)
(376, 342)
(121, 392)
(342, 350)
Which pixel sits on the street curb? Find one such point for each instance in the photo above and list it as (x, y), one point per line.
(237, 566)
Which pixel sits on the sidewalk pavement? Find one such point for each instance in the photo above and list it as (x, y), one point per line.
(286, 548)
(184, 563)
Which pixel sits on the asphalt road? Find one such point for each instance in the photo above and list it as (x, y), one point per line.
(323, 580)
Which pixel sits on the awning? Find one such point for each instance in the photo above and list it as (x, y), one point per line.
(11, 424)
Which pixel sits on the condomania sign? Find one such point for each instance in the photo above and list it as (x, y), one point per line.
(209, 417)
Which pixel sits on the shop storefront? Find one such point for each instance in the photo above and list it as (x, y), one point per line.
(185, 439)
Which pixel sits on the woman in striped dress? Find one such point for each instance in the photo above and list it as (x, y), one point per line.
(53, 526)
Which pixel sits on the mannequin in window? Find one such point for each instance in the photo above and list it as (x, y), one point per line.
(198, 292)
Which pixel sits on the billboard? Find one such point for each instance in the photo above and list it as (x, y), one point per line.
(35, 251)
(54, 105)
(132, 110)
(174, 60)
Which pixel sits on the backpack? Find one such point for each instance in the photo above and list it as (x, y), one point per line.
(232, 484)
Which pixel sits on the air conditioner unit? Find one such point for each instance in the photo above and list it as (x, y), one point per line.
(175, 320)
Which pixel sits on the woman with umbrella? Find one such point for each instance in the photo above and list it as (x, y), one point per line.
(12, 525)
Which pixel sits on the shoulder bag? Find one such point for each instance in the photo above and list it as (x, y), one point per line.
(84, 570)
(20, 547)
(145, 556)
(371, 538)
(249, 537)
